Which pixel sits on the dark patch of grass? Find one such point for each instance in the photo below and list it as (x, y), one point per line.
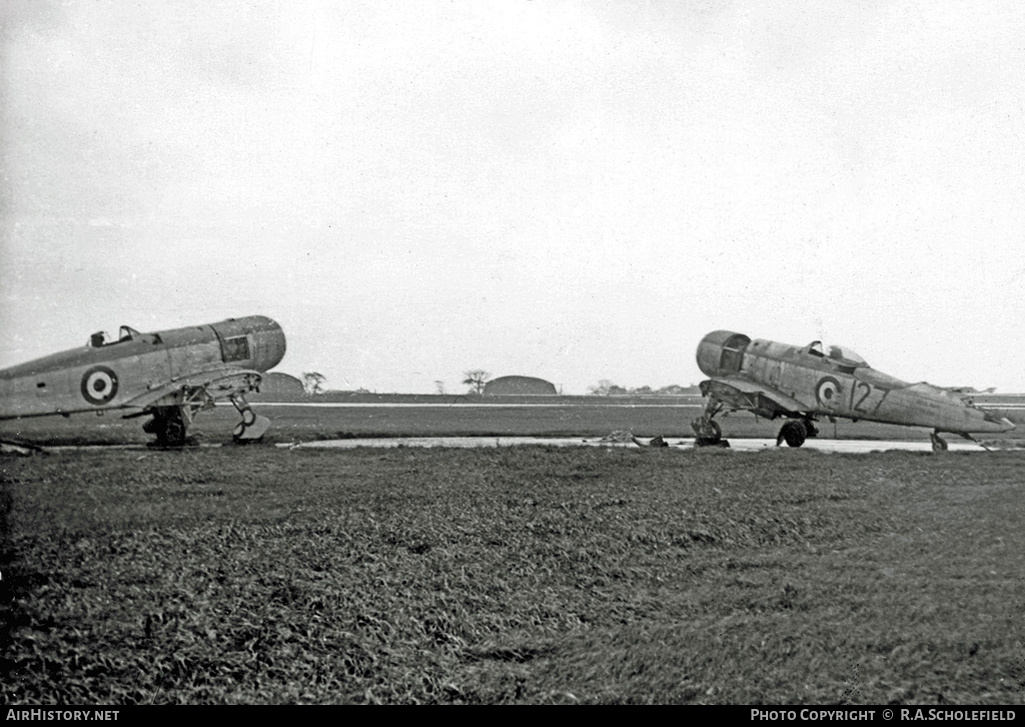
(536, 574)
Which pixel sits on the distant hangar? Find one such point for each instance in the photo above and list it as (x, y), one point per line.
(279, 384)
(519, 386)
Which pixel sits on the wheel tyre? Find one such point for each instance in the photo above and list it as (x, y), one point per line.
(706, 432)
(710, 435)
(794, 433)
(174, 430)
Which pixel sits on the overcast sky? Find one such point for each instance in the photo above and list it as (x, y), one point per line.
(571, 190)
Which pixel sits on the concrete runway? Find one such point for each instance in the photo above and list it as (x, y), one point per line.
(741, 445)
(599, 402)
(862, 446)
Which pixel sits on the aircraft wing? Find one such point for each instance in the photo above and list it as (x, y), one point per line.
(210, 384)
(742, 394)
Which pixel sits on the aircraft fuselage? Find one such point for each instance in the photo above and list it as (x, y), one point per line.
(135, 369)
(774, 379)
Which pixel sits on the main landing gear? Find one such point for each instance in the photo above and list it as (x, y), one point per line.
(706, 429)
(939, 444)
(708, 433)
(168, 423)
(795, 432)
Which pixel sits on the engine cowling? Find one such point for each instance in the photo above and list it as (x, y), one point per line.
(264, 336)
(721, 353)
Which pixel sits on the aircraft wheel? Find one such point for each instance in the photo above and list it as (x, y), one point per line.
(939, 444)
(793, 433)
(174, 429)
(169, 427)
(710, 435)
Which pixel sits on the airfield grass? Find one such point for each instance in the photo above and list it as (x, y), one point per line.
(514, 575)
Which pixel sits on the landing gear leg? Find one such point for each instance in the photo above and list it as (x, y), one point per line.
(253, 426)
(938, 443)
(707, 430)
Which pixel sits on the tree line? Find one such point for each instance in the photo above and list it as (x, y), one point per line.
(607, 388)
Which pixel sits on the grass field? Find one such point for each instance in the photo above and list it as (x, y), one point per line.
(527, 575)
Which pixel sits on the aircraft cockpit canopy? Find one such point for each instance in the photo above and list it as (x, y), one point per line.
(846, 355)
(839, 354)
(100, 338)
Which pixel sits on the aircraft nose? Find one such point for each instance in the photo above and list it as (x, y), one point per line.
(269, 341)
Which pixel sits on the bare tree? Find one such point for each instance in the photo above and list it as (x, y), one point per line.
(476, 379)
(439, 386)
(313, 382)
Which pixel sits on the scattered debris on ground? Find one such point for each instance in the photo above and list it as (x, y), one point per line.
(625, 436)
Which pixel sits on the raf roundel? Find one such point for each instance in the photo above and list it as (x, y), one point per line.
(828, 392)
(99, 385)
